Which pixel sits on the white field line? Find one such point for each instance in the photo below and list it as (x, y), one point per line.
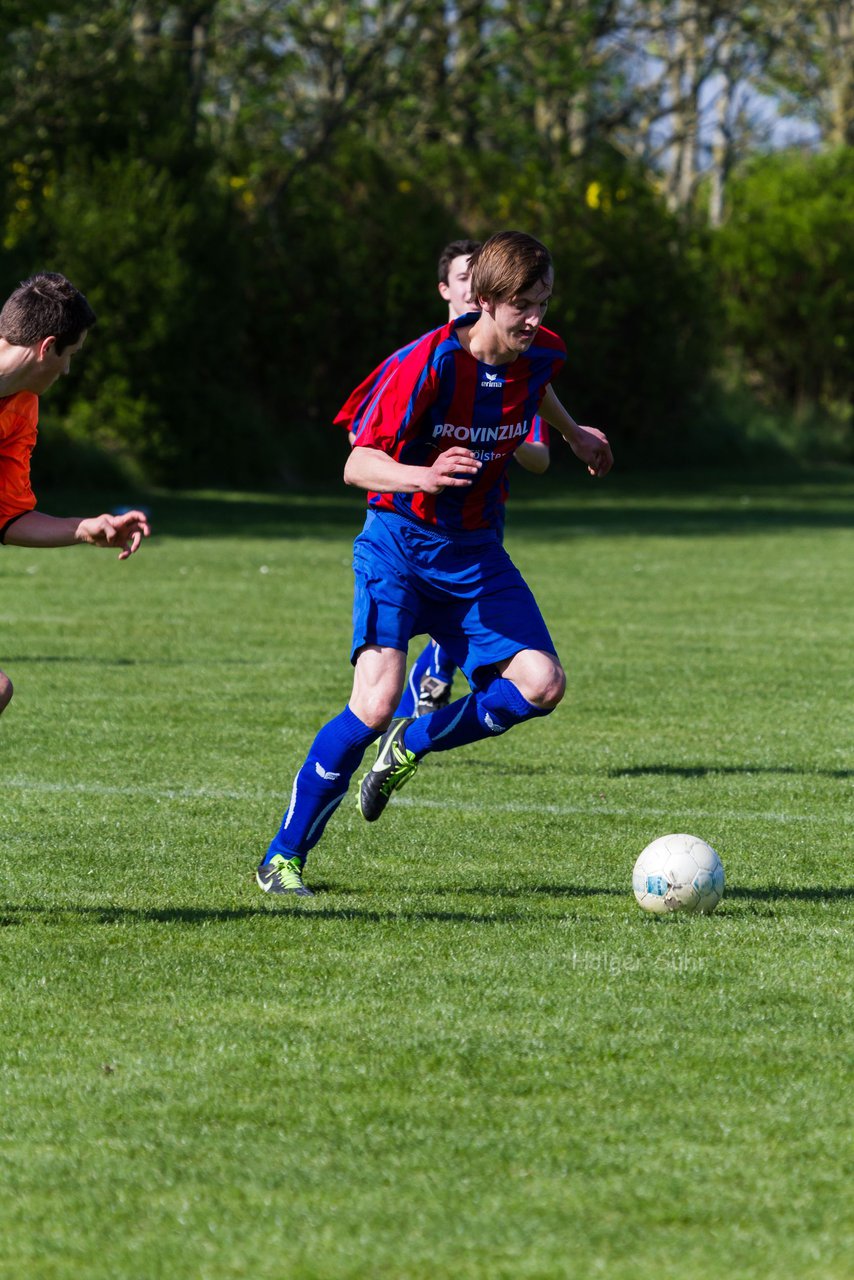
(180, 794)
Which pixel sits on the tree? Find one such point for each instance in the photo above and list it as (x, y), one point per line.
(812, 70)
(785, 259)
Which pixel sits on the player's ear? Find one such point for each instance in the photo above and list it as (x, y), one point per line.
(46, 346)
(444, 291)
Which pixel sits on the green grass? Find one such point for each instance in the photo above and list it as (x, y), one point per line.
(470, 1055)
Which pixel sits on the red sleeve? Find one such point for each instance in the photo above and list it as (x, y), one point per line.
(400, 398)
(349, 411)
(19, 417)
(539, 433)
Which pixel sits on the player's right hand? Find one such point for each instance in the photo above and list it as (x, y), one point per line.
(592, 447)
(455, 468)
(125, 531)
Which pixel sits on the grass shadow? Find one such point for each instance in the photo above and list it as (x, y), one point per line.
(807, 893)
(530, 891)
(328, 513)
(313, 909)
(292, 908)
(198, 916)
(89, 660)
(709, 770)
(641, 504)
(685, 503)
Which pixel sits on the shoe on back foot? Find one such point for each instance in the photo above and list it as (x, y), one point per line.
(432, 695)
(283, 875)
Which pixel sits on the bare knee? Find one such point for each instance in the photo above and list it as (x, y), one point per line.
(6, 691)
(538, 676)
(374, 709)
(377, 684)
(551, 689)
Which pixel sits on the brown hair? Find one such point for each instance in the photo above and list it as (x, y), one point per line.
(456, 249)
(507, 265)
(46, 305)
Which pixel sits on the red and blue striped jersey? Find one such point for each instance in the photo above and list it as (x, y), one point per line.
(539, 433)
(434, 394)
(350, 415)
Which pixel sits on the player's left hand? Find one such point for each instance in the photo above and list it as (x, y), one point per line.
(592, 447)
(126, 531)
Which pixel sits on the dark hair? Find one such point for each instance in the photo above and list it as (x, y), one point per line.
(456, 249)
(46, 305)
(507, 265)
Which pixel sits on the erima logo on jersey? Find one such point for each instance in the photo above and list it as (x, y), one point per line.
(491, 725)
(481, 435)
(321, 772)
(492, 380)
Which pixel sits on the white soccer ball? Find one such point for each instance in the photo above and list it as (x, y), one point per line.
(678, 873)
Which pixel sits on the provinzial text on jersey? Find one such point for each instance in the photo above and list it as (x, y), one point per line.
(481, 435)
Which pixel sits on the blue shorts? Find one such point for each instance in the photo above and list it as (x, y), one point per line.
(465, 593)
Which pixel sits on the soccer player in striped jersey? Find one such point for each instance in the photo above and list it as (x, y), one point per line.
(43, 324)
(430, 679)
(431, 451)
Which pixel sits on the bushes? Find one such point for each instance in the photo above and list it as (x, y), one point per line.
(633, 298)
(163, 378)
(233, 321)
(785, 271)
(341, 273)
(635, 307)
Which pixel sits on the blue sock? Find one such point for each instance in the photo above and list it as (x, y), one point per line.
(443, 666)
(482, 714)
(433, 660)
(322, 783)
(419, 668)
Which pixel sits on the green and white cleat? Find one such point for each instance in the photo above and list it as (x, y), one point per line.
(393, 767)
(283, 875)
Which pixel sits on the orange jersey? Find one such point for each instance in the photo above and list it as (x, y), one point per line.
(19, 416)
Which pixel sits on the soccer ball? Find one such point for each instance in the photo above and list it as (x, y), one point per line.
(678, 873)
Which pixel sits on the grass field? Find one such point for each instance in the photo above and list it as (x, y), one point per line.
(470, 1055)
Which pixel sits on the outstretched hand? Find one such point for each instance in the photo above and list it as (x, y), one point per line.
(455, 468)
(592, 447)
(126, 531)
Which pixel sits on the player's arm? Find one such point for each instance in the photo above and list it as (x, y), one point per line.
(396, 409)
(36, 529)
(587, 443)
(378, 472)
(533, 455)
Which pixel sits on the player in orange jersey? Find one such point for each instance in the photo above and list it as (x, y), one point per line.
(43, 324)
